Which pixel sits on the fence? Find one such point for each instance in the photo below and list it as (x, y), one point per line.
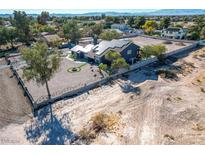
(21, 83)
(168, 39)
(72, 92)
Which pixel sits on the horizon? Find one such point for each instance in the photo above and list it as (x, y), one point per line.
(76, 11)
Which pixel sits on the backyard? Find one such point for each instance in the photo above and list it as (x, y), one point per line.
(170, 45)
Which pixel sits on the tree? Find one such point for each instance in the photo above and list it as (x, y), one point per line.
(47, 28)
(42, 64)
(21, 22)
(130, 21)
(8, 35)
(202, 34)
(103, 15)
(43, 18)
(3, 40)
(116, 60)
(112, 55)
(153, 50)
(164, 23)
(103, 67)
(96, 29)
(119, 63)
(109, 35)
(150, 26)
(139, 21)
(71, 31)
(196, 31)
(11, 36)
(1, 21)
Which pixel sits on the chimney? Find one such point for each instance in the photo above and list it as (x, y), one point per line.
(95, 40)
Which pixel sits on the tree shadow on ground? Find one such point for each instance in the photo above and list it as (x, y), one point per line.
(43, 131)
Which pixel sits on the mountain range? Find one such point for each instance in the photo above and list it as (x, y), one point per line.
(162, 12)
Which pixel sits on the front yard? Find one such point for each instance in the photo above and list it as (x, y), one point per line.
(64, 80)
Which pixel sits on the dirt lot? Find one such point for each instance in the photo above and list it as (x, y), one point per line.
(161, 110)
(142, 41)
(13, 105)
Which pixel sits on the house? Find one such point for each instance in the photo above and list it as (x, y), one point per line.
(51, 39)
(174, 33)
(122, 27)
(128, 50)
(6, 23)
(96, 53)
(82, 52)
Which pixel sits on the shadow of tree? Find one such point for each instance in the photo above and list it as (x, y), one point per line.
(43, 131)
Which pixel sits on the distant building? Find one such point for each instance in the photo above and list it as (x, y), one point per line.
(121, 27)
(174, 33)
(6, 23)
(51, 39)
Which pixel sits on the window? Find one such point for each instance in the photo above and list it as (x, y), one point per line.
(129, 52)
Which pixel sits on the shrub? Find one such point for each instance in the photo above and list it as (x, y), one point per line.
(198, 127)
(180, 44)
(87, 135)
(167, 74)
(104, 122)
(154, 50)
(73, 56)
(103, 67)
(109, 35)
(167, 42)
(202, 90)
(100, 122)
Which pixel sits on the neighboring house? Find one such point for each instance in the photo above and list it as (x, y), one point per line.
(64, 45)
(128, 50)
(6, 23)
(121, 27)
(51, 39)
(118, 31)
(174, 33)
(138, 31)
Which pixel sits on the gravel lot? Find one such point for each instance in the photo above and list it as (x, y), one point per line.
(13, 105)
(63, 81)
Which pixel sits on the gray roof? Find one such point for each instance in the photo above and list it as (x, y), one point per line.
(104, 45)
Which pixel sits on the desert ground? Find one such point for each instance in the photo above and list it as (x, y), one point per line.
(160, 109)
(171, 46)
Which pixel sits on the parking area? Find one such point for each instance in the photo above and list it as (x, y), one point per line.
(63, 80)
(170, 45)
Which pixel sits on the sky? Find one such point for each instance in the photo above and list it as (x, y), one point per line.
(101, 4)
